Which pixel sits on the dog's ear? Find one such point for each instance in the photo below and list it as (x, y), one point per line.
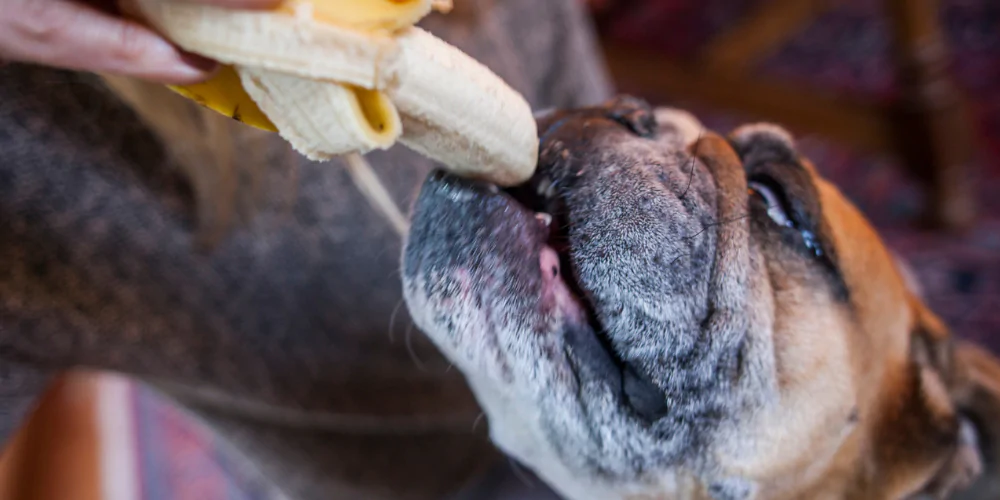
(923, 448)
(943, 379)
(972, 377)
(977, 395)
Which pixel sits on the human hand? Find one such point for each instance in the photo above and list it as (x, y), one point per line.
(92, 35)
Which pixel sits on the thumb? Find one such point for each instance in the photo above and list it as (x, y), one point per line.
(70, 35)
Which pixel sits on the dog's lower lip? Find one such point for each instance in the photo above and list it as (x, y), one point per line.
(538, 195)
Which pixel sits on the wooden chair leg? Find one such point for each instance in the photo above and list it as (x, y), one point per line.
(765, 29)
(932, 128)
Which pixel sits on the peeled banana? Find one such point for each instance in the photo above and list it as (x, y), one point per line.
(348, 76)
(322, 119)
(458, 112)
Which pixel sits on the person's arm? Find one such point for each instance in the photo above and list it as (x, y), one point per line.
(91, 35)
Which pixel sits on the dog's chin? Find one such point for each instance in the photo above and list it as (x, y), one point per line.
(524, 235)
(487, 277)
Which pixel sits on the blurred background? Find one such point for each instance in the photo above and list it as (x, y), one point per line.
(851, 78)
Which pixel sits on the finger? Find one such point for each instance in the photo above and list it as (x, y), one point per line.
(243, 4)
(69, 35)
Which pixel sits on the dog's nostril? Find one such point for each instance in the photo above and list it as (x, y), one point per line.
(634, 113)
(640, 122)
(438, 175)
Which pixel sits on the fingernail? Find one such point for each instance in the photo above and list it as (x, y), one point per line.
(192, 69)
(199, 63)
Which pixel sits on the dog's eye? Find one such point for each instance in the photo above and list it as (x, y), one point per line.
(770, 192)
(773, 197)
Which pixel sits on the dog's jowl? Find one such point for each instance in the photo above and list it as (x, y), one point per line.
(662, 312)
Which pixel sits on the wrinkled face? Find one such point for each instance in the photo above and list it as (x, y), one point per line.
(662, 313)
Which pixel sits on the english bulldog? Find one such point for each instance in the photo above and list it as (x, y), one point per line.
(661, 313)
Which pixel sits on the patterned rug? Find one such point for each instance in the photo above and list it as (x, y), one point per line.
(180, 459)
(844, 50)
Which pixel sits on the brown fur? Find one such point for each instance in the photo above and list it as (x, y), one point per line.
(904, 382)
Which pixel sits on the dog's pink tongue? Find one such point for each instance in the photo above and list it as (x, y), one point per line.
(548, 260)
(556, 295)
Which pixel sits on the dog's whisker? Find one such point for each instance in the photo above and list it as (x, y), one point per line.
(703, 229)
(716, 224)
(690, 172)
(688, 254)
(398, 271)
(392, 320)
(519, 473)
(413, 352)
(479, 419)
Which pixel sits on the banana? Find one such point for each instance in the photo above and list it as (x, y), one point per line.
(280, 40)
(353, 117)
(322, 120)
(348, 76)
(224, 93)
(456, 111)
(365, 15)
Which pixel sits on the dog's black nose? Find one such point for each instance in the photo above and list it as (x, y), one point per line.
(631, 112)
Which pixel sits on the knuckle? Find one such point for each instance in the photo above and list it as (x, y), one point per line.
(132, 45)
(41, 21)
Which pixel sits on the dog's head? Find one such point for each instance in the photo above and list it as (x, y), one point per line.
(661, 312)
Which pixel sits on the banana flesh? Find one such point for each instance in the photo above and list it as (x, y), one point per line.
(324, 120)
(343, 76)
(479, 121)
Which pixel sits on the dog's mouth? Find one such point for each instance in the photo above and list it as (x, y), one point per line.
(591, 345)
(540, 196)
(540, 274)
